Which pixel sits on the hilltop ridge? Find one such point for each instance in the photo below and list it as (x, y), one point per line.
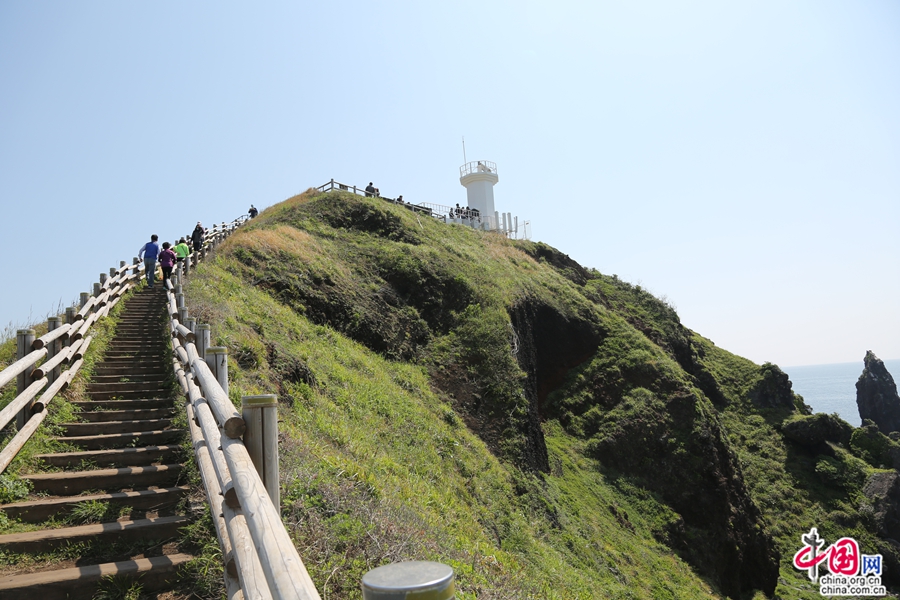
(549, 431)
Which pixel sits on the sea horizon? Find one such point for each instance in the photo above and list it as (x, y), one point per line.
(831, 388)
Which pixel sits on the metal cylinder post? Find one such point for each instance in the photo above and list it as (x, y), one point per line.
(122, 264)
(183, 315)
(179, 300)
(24, 340)
(187, 264)
(411, 579)
(217, 361)
(137, 266)
(53, 347)
(191, 323)
(260, 413)
(96, 290)
(83, 299)
(203, 334)
(102, 279)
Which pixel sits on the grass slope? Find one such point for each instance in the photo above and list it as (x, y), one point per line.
(413, 428)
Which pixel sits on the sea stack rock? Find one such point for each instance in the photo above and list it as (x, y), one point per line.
(876, 395)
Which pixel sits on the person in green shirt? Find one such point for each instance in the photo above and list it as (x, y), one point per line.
(181, 250)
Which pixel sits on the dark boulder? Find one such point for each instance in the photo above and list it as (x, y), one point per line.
(882, 491)
(817, 429)
(882, 503)
(876, 395)
(772, 389)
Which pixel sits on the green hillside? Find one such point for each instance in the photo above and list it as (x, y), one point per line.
(549, 431)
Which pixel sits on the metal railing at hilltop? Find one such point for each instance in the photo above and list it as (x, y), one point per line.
(502, 223)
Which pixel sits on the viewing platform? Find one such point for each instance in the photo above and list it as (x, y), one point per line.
(503, 223)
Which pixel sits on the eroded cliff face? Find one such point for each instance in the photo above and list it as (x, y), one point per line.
(646, 423)
(876, 395)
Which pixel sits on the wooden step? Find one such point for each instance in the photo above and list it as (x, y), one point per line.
(157, 380)
(150, 392)
(104, 427)
(110, 370)
(80, 583)
(126, 386)
(68, 483)
(120, 440)
(45, 540)
(120, 457)
(145, 403)
(44, 508)
(126, 415)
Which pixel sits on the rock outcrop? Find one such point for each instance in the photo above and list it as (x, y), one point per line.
(876, 395)
(772, 389)
(814, 430)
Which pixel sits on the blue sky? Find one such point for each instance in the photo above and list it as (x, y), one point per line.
(741, 159)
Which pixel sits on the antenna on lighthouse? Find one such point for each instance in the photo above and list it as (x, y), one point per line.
(464, 150)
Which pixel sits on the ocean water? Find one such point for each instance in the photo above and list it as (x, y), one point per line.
(832, 388)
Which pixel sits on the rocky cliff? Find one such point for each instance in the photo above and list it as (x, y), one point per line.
(876, 395)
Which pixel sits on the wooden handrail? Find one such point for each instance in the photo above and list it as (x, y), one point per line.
(268, 565)
(10, 411)
(50, 336)
(21, 365)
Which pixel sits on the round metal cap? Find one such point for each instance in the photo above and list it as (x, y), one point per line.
(259, 401)
(412, 580)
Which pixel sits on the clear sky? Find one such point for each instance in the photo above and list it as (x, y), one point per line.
(741, 159)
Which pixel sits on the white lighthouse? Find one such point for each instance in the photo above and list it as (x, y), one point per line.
(479, 178)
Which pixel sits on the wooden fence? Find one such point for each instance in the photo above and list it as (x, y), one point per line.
(39, 368)
(260, 558)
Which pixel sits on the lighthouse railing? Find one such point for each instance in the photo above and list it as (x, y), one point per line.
(478, 166)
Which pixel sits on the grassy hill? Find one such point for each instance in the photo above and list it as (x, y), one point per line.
(547, 430)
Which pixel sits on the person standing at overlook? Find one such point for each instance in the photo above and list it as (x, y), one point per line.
(148, 253)
(370, 190)
(252, 212)
(197, 236)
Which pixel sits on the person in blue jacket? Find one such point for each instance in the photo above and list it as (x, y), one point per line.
(149, 252)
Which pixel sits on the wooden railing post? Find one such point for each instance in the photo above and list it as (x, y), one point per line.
(83, 299)
(191, 323)
(414, 578)
(96, 290)
(71, 311)
(260, 413)
(217, 360)
(53, 348)
(24, 340)
(102, 279)
(183, 315)
(203, 337)
(187, 264)
(137, 265)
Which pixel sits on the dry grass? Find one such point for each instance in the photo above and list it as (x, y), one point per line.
(280, 238)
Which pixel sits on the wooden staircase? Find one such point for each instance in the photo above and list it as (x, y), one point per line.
(127, 455)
